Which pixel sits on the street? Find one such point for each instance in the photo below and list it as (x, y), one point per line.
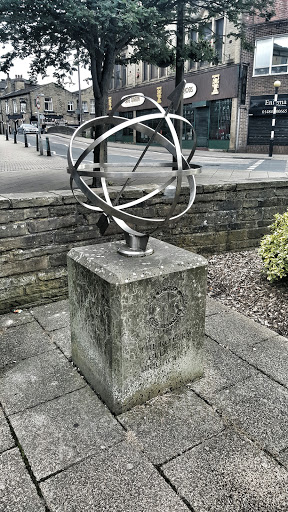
(24, 170)
(59, 146)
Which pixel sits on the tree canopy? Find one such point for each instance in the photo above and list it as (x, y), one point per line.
(97, 33)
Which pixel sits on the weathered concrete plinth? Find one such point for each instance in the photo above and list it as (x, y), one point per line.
(137, 324)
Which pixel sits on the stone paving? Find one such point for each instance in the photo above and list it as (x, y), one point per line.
(220, 444)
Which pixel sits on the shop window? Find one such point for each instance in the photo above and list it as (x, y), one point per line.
(220, 116)
(271, 56)
(48, 105)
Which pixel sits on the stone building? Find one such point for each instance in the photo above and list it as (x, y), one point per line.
(18, 103)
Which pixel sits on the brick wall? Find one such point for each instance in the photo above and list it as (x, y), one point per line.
(37, 230)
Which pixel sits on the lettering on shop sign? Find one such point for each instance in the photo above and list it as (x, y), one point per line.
(159, 94)
(263, 105)
(189, 90)
(215, 84)
(109, 102)
(134, 101)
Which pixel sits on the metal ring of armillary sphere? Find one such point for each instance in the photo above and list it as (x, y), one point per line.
(180, 167)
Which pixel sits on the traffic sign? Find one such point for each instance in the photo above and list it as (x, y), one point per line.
(38, 105)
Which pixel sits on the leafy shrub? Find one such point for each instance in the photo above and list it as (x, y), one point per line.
(274, 249)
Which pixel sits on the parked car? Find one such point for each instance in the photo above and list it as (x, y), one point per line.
(28, 128)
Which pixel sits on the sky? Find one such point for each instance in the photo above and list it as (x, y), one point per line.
(21, 67)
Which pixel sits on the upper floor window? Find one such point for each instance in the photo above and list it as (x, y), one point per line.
(271, 56)
(22, 106)
(92, 106)
(85, 106)
(70, 107)
(7, 109)
(48, 104)
(14, 107)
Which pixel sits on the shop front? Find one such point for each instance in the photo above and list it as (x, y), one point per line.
(260, 122)
(208, 105)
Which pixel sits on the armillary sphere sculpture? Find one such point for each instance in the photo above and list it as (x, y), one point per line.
(180, 167)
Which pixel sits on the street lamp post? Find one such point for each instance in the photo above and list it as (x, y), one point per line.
(38, 105)
(277, 84)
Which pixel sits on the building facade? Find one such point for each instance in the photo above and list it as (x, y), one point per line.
(23, 102)
(267, 63)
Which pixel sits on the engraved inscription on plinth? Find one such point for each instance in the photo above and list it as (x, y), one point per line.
(137, 327)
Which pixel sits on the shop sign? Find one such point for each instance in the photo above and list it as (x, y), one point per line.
(159, 94)
(215, 84)
(134, 101)
(189, 90)
(263, 105)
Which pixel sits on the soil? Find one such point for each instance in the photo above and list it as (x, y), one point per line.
(237, 280)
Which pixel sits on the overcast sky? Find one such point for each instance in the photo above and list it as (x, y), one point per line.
(21, 67)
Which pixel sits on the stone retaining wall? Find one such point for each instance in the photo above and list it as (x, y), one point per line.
(38, 229)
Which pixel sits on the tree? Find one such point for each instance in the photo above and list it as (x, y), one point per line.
(97, 33)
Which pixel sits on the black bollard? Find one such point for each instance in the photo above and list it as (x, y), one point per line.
(25, 140)
(7, 137)
(48, 146)
(37, 142)
(15, 137)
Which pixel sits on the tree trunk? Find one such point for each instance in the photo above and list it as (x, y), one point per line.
(179, 75)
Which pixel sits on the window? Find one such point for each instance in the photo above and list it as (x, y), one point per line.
(23, 106)
(92, 106)
(70, 107)
(271, 56)
(7, 110)
(48, 104)
(14, 107)
(85, 106)
(219, 32)
(145, 71)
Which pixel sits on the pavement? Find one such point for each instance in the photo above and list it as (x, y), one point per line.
(24, 170)
(218, 444)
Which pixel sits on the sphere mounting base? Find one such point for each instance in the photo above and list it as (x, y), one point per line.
(136, 246)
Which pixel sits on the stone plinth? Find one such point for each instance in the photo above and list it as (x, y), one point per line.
(137, 324)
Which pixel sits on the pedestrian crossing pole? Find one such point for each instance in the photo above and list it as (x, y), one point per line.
(277, 84)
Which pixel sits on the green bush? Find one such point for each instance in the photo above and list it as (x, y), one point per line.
(274, 249)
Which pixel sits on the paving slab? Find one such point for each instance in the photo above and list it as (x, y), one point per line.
(14, 319)
(22, 341)
(271, 357)
(64, 431)
(117, 480)
(229, 474)
(214, 306)
(17, 491)
(221, 370)
(6, 439)
(236, 331)
(170, 424)
(62, 338)
(36, 380)
(283, 458)
(53, 316)
(259, 407)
